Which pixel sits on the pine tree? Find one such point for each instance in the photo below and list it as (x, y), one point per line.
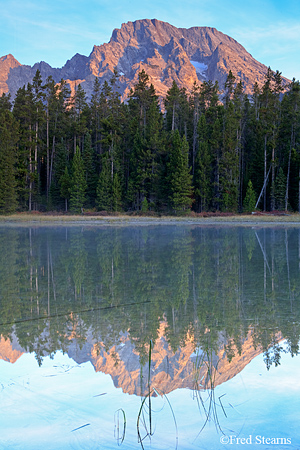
(90, 172)
(23, 112)
(95, 115)
(289, 142)
(215, 145)
(146, 144)
(79, 110)
(203, 170)
(116, 193)
(229, 88)
(39, 121)
(195, 111)
(179, 177)
(254, 143)
(269, 117)
(177, 109)
(8, 141)
(280, 185)
(232, 151)
(250, 198)
(5, 102)
(65, 186)
(104, 194)
(78, 183)
(60, 133)
(57, 97)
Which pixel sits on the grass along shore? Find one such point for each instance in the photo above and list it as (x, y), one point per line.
(55, 218)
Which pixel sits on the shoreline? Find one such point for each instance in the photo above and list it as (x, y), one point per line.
(35, 219)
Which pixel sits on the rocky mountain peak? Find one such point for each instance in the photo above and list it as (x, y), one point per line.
(7, 63)
(165, 52)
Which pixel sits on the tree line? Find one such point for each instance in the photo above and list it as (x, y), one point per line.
(206, 151)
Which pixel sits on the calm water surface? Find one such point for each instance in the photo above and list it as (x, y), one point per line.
(158, 337)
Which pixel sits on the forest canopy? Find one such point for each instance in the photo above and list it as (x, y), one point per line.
(206, 151)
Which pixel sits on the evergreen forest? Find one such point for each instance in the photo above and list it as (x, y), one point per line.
(203, 151)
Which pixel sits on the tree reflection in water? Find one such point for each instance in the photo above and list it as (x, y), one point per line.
(87, 289)
(207, 299)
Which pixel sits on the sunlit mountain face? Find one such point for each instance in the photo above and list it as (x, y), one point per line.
(164, 52)
(165, 312)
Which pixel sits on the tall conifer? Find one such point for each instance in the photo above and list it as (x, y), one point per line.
(78, 183)
(8, 141)
(179, 177)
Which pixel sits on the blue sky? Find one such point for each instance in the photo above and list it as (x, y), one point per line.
(53, 31)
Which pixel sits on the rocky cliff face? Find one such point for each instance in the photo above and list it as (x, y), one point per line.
(165, 52)
(7, 64)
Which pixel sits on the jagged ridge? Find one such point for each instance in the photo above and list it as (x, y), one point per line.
(165, 52)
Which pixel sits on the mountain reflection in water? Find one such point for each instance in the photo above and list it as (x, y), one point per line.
(203, 300)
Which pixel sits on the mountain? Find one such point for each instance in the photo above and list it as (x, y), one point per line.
(7, 64)
(165, 52)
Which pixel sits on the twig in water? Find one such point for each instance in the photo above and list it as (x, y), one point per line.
(86, 425)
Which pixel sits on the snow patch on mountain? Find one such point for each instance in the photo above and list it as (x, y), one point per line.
(201, 68)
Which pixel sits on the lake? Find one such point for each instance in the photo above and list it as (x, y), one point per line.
(155, 336)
